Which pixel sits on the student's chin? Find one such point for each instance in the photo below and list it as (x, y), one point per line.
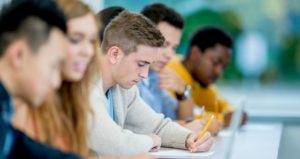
(128, 86)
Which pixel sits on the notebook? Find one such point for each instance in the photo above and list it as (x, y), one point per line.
(169, 153)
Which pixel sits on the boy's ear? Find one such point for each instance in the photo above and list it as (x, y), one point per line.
(114, 54)
(195, 52)
(16, 52)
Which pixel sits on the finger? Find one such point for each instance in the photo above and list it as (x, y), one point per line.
(154, 149)
(203, 122)
(166, 86)
(167, 75)
(158, 147)
(167, 70)
(205, 137)
(164, 80)
(164, 73)
(205, 146)
(200, 123)
(163, 85)
(190, 142)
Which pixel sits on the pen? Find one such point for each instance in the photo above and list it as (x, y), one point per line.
(206, 127)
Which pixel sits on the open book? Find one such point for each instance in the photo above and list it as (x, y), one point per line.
(178, 153)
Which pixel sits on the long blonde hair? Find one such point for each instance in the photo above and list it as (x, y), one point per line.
(65, 113)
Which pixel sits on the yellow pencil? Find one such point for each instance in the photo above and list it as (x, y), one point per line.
(206, 127)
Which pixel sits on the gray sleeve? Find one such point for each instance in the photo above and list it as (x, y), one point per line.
(142, 119)
(109, 139)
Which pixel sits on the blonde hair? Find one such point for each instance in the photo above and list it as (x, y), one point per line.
(65, 113)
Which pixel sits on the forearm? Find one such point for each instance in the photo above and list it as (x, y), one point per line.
(108, 139)
(173, 135)
(185, 109)
(142, 119)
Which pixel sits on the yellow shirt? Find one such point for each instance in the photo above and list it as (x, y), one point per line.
(207, 97)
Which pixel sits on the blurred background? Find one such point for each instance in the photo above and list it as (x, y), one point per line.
(265, 65)
(267, 34)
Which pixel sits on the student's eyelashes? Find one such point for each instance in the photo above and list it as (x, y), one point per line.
(74, 40)
(141, 64)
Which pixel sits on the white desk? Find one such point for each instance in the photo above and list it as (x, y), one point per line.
(253, 141)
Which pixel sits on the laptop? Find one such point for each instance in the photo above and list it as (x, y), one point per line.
(234, 126)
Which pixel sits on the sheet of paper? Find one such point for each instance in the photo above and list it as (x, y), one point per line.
(177, 153)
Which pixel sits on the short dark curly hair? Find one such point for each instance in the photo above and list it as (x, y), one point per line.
(210, 36)
(106, 15)
(159, 12)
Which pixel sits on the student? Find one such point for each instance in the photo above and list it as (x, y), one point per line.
(152, 90)
(170, 24)
(208, 55)
(31, 49)
(106, 15)
(62, 120)
(124, 124)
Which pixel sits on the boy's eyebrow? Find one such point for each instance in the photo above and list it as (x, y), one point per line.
(77, 33)
(144, 61)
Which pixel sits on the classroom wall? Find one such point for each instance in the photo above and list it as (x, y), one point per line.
(96, 5)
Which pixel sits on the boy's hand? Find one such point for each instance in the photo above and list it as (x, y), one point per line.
(169, 79)
(215, 127)
(194, 145)
(156, 142)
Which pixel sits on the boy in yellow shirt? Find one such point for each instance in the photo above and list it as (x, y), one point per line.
(208, 55)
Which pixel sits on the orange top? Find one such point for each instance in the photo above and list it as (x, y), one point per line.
(207, 97)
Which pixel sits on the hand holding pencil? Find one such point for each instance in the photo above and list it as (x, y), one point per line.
(212, 117)
(203, 141)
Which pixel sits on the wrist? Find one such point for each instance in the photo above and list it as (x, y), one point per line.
(189, 119)
(186, 140)
(180, 89)
(187, 93)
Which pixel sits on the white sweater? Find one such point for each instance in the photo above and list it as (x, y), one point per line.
(134, 119)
